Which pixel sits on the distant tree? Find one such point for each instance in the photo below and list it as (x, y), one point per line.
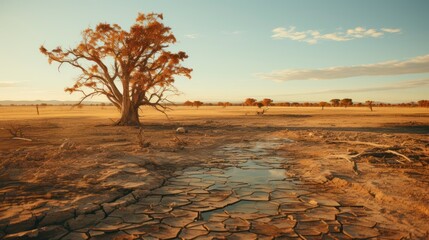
(323, 104)
(198, 104)
(259, 104)
(423, 103)
(369, 104)
(224, 104)
(346, 102)
(267, 102)
(131, 68)
(249, 102)
(188, 103)
(335, 102)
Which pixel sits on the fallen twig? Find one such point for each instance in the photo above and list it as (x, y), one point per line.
(399, 154)
(362, 143)
(21, 138)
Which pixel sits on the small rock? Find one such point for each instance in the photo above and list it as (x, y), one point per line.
(181, 130)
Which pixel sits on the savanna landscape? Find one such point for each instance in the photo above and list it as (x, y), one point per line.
(132, 152)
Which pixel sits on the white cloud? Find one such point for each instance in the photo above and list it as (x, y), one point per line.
(333, 37)
(391, 30)
(280, 33)
(192, 35)
(7, 84)
(313, 36)
(418, 64)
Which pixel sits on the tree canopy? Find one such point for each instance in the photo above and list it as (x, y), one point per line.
(131, 68)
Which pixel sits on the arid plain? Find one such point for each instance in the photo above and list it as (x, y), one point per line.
(292, 173)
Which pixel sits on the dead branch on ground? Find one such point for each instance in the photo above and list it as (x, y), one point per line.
(361, 143)
(379, 151)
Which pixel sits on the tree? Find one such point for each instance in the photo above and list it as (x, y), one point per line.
(249, 102)
(224, 104)
(259, 104)
(346, 102)
(335, 102)
(188, 103)
(198, 104)
(131, 68)
(369, 104)
(323, 104)
(267, 102)
(423, 103)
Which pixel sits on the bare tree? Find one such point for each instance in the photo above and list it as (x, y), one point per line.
(131, 68)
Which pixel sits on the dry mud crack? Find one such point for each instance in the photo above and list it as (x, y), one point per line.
(244, 193)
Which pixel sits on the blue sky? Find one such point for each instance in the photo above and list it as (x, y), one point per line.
(284, 50)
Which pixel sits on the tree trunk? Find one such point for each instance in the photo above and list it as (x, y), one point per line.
(129, 117)
(129, 114)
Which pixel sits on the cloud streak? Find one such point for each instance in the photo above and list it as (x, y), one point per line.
(409, 84)
(313, 36)
(7, 84)
(397, 86)
(418, 64)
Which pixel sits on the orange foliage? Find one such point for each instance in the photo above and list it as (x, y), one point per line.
(138, 58)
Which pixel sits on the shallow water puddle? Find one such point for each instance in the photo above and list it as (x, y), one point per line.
(250, 173)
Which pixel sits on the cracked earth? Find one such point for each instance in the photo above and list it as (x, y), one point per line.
(291, 174)
(243, 193)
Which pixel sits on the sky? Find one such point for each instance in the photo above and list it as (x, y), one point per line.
(284, 50)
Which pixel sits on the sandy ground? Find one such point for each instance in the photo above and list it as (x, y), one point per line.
(76, 161)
